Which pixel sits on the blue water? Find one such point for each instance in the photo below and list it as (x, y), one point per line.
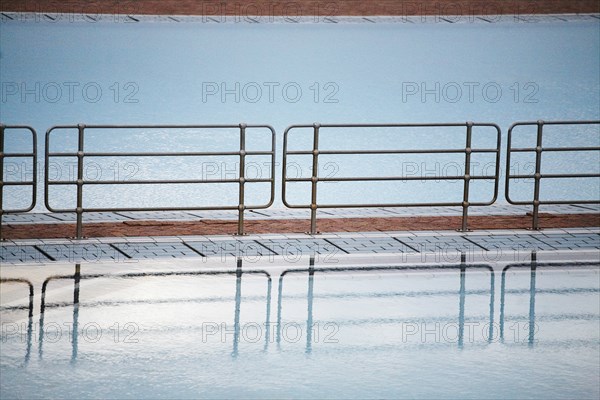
(168, 73)
(395, 334)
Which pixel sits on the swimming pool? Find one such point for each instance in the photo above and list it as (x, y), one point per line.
(190, 330)
(281, 74)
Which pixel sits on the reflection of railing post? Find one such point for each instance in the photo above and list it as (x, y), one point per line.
(242, 179)
(79, 209)
(279, 305)
(268, 318)
(531, 336)
(492, 296)
(310, 297)
(238, 303)
(467, 178)
(75, 337)
(2, 126)
(537, 176)
(30, 313)
(461, 302)
(314, 179)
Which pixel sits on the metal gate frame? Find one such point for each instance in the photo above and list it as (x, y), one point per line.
(315, 152)
(81, 154)
(538, 176)
(32, 183)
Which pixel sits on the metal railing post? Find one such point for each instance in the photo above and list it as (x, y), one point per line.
(79, 209)
(242, 179)
(538, 175)
(467, 182)
(2, 126)
(314, 179)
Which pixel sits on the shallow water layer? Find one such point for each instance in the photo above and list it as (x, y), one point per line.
(386, 332)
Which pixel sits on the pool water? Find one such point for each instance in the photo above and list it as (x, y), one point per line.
(174, 331)
(282, 74)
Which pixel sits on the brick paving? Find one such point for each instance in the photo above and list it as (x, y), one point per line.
(225, 227)
(289, 213)
(304, 7)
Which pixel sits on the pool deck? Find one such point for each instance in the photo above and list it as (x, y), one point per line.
(346, 232)
(433, 246)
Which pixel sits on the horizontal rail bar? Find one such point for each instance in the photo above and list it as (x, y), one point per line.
(431, 125)
(160, 182)
(17, 155)
(159, 154)
(392, 205)
(553, 149)
(580, 122)
(158, 126)
(554, 202)
(18, 183)
(416, 151)
(389, 178)
(554, 176)
(149, 209)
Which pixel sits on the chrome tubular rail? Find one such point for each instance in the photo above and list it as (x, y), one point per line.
(32, 182)
(538, 176)
(467, 177)
(242, 180)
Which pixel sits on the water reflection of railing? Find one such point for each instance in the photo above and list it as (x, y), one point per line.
(533, 265)
(29, 308)
(496, 331)
(77, 277)
(311, 270)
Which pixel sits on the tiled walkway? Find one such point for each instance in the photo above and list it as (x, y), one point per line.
(295, 245)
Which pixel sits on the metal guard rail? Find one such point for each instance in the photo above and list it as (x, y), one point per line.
(538, 176)
(315, 152)
(81, 154)
(32, 182)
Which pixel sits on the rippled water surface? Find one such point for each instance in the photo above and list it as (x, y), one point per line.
(193, 73)
(165, 332)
